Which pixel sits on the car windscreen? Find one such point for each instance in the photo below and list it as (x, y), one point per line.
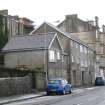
(99, 78)
(54, 81)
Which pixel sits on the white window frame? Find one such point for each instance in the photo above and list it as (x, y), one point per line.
(72, 43)
(85, 50)
(81, 48)
(96, 34)
(82, 62)
(51, 56)
(72, 58)
(58, 55)
(77, 45)
(62, 58)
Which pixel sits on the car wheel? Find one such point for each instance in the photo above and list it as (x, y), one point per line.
(64, 92)
(48, 93)
(70, 91)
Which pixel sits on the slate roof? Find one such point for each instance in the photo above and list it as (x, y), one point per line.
(29, 42)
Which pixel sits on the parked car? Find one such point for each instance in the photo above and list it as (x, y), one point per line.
(58, 86)
(99, 81)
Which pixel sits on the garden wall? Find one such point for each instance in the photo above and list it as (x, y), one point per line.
(15, 85)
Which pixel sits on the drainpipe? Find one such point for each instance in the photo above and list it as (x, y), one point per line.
(103, 28)
(45, 58)
(47, 66)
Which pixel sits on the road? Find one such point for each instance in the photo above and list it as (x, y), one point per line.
(88, 96)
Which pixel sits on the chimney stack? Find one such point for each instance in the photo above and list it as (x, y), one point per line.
(96, 22)
(4, 12)
(71, 16)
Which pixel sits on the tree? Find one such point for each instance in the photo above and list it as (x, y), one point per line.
(3, 31)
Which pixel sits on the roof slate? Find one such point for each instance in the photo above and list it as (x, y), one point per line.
(35, 41)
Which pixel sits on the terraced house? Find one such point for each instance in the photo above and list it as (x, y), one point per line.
(89, 32)
(53, 53)
(78, 57)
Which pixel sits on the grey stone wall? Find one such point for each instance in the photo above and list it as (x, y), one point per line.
(31, 59)
(15, 85)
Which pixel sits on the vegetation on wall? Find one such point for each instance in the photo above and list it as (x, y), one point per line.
(3, 31)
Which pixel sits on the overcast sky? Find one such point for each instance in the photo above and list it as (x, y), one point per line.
(53, 10)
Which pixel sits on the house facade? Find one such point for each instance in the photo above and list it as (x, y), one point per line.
(79, 57)
(11, 26)
(89, 32)
(39, 52)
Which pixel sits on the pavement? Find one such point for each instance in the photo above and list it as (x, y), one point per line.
(15, 98)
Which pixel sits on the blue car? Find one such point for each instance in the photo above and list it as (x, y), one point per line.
(58, 86)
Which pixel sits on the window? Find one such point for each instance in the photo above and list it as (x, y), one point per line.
(72, 43)
(51, 56)
(86, 62)
(58, 55)
(54, 81)
(62, 58)
(96, 34)
(81, 48)
(89, 62)
(97, 58)
(72, 58)
(1, 60)
(82, 62)
(85, 50)
(101, 49)
(78, 60)
(77, 45)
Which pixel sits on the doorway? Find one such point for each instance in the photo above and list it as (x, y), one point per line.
(74, 78)
(83, 77)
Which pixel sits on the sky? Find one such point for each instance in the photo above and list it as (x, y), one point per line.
(54, 10)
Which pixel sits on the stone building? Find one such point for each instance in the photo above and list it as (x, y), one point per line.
(41, 52)
(80, 58)
(102, 56)
(89, 32)
(11, 26)
(16, 25)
